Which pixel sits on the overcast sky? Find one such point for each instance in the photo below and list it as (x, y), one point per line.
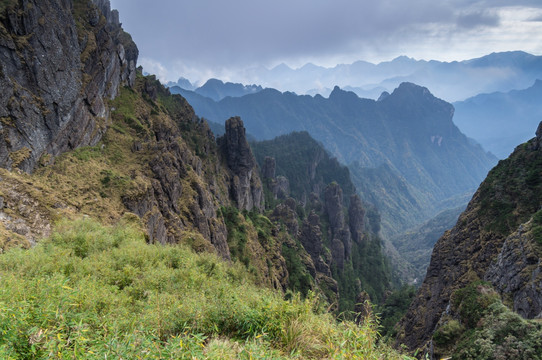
(199, 39)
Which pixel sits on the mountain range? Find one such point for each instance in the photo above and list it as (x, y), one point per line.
(408, 134)
(215, 89)
(500, 121)
(128, 229)
(451, 81)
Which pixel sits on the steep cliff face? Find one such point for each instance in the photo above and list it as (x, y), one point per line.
(56, 80)
(517, 271)
(325, 215)
(245, 184)
(492, 240)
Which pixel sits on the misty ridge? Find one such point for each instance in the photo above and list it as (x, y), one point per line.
(496, 97)
(450, 81)
(351, 212)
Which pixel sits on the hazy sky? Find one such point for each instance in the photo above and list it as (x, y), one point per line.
(199, 39)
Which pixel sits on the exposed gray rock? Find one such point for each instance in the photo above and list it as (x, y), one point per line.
(346, 239)
(337, 253)
(356, 215)
(280, 187)
(311, 238)
(245, 186)
(517, 273)
(333, 198)
(268, 169)
(286, 214)
(56, 80)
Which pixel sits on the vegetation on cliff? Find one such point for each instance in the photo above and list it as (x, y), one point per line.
(479, 326)
(320, 185)
(496, 239)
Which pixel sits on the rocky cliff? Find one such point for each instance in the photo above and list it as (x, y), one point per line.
(496, 239)
(406, 143)
(77, 85)
(325, 215)
(117, 145)
(245, 184)
(56, 80)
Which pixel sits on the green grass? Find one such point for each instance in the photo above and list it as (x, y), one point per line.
(98, 292)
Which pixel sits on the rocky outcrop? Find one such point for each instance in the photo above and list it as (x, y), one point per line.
(488, 242)
(356, 215)
(333, 201)
(280, 186)
(26, 215)
(341, 245)
(56, 80)
(285, 213)
(245, 185)
(517, 272)
(179, 199)
(311, 239)
(268, 168)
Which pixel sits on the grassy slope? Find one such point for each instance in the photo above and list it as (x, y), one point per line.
(91, 291)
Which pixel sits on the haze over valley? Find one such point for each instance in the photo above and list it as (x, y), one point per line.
(245, 180)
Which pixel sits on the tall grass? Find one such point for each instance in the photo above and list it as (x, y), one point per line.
(97, 292)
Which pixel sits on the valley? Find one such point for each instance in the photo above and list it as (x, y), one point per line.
(367, 220)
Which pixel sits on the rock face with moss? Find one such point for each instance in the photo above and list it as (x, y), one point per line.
(55, 79)
(496, 239)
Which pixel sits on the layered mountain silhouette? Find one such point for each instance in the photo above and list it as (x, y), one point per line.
(215, 89)
(452, 81)
(501, 120)
(409, 131)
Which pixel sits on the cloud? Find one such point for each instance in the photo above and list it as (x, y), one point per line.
(474, 19)
(218, 37)
(536, 18)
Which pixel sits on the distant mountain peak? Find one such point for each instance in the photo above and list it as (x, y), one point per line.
(339, 93)
(282, 67)
(213, 81)
(411, 89)
(403, 58)
(383, 96)
(217, 89)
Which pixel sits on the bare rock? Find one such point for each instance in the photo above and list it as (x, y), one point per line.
(517, 273)
(280, 187)
(56, 80)
(356, 215)
(333, 198)
(268, 169)
(245, 185)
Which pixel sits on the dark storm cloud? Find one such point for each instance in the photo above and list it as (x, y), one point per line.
(212, 33)
(474, 19)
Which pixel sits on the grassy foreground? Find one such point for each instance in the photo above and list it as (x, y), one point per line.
(98, 292)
